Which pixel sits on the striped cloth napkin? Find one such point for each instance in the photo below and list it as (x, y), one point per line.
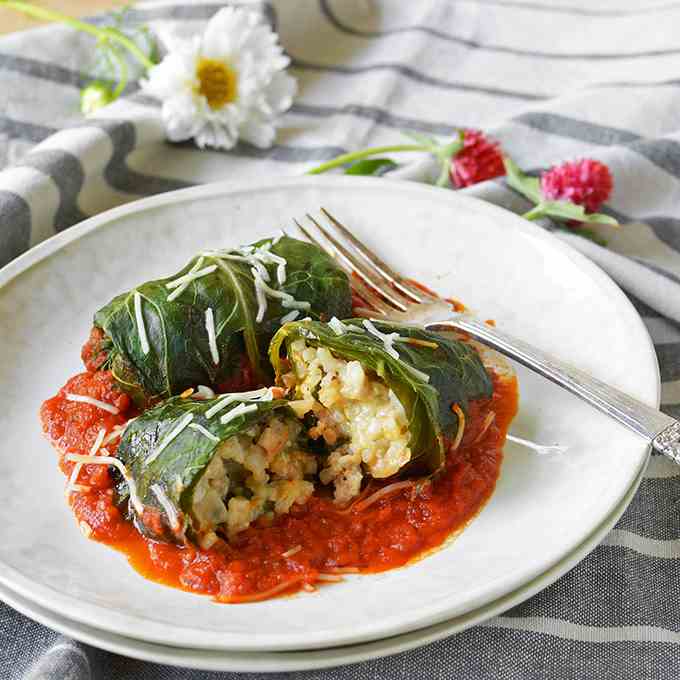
(550, 81)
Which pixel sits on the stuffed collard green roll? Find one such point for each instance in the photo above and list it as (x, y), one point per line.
(212, 321)
(384, 398)
(201, 470)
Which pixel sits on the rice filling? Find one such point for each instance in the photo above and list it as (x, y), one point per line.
(261, 471)
(357, 415)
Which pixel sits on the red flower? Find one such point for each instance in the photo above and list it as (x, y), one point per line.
(585, 182)
(479, 159)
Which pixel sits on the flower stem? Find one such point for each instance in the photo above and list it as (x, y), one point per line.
(122, 71)
(364, 153)
(99, 33)
(535, 213)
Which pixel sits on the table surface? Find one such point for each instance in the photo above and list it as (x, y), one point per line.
(11, 20)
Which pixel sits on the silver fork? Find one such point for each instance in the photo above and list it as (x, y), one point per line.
(393, 298)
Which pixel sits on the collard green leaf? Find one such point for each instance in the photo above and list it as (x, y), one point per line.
(455, 371)
(179, 353)
(182, 462)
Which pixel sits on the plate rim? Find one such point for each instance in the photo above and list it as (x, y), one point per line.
(60, 602)
(315, 659)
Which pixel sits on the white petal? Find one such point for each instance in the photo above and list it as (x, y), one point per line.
(280, 92)
(175, 73)
(214, 135)
(226, 32)
(259, 132)
(180, 118)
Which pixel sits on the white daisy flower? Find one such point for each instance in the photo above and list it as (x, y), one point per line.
(227, 85)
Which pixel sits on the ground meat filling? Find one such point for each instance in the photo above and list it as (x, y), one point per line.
(355, 412)
(259, 472)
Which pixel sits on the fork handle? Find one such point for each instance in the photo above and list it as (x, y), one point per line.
(662, 431)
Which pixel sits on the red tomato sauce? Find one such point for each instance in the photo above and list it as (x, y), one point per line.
(317, 542)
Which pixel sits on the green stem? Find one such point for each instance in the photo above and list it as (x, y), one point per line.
(534, 213)
(123, 72)
(364, 153)
(99, 33)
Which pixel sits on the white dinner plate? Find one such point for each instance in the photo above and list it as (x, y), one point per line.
(272, 662)
(498, 264)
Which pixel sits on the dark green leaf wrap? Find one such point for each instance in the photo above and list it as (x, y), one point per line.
(179, 353)
(455, 371)
(180, 465)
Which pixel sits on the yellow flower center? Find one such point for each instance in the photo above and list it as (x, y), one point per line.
(217, 82)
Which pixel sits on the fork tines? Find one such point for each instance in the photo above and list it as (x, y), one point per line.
(373, 280)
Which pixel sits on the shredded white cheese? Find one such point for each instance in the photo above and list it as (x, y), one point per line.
(185, 420)
(263, 394)
(248, 259)
(539, 448)
(287, 300)
(204, 432)
(178, 291)
(266, 257)
(212, 339)
(75, 473)
(139, 320)
(110, 460)
(386, 338)
(93, 402)
(337, 326)
(291, 316)
(99, 440)
(239, 410)
(261, 299)
(114, 434)
(191, 276)
(257, 258)
(167, 505)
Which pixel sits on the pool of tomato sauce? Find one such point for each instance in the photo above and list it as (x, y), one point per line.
(314, 544)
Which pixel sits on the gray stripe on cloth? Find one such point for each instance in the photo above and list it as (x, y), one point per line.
(494, 650)
(669, 361)
(117, 172)
(139, 15)
(653, 512)
(288, 153)
(572, 128)
(576, 631)
(669, 549)
(377, 115)
(614, 575)
(19, 129)
(56, 74)
(65, 661)
(15, 226)
(66, 171)
(663, 152)
(656, 268)
(667, 229)
(476, 45)
(642, 308)
(44, 70)
(418, 76)
(579, 11)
